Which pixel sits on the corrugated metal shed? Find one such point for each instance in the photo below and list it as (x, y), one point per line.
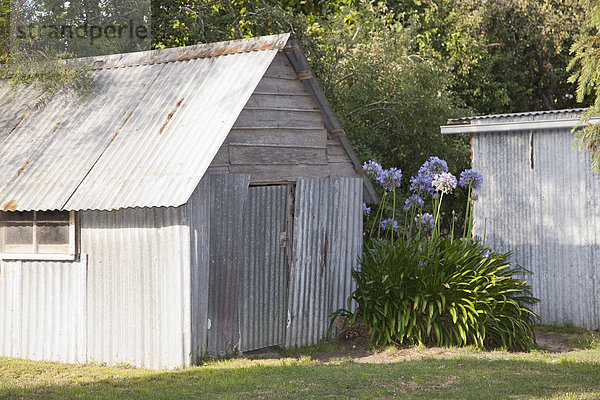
(176, 260)
(146, 135)
(540, 198)
(129, 144)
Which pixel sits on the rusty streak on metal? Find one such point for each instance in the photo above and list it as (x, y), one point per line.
(119, 130)
(531, 149)
(324, 255)
(18, 123)
(56, 126)
(199, 51)
(23, 167)
(9, 206)
(162, 128)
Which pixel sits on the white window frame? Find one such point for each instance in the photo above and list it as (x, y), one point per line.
(71, 255)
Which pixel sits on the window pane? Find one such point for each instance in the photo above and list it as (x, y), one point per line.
(16, 216)
(51, 233)
(18, 237)
(59, 216)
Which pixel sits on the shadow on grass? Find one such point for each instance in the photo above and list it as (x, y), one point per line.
(463, 377)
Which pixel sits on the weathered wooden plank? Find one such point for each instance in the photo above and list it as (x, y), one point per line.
(338, 159)
(275, 101)
(342, 169)
(274, 118)
(281, 137)
(280, 173)
(271, 85)
(222, 157)
(218, 170)
(337, 154)
(335, 148)
(262, 155)
(281, 67)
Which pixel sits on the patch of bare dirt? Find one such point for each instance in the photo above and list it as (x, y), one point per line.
(554, 342)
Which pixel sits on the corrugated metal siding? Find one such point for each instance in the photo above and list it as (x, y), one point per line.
(145, 138)
(325, 249)
(548, 214)
(138, 302)
(199, 216)
(263, 274)
(43, 306)
(228, 196)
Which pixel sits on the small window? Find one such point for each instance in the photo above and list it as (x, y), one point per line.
(37, 235)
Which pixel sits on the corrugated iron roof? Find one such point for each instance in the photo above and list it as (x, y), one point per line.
(513, 115)
(145, 137)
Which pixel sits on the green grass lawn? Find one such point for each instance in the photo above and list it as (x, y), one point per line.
(456, 374)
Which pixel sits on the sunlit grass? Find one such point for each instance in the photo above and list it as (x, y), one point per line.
(441, 373)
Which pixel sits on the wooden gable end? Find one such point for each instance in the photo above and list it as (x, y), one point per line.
(280, 135)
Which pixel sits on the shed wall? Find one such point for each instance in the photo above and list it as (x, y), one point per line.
(540, 199)
(42, 309)
(280, 134)
(138, 286)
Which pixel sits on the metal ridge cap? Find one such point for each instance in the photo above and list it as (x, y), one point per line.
(204, 50)
(569, 123)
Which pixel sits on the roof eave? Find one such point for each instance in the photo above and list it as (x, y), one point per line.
(568, 123)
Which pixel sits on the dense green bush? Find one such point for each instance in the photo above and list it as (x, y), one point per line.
(419, 284)
(442, 292)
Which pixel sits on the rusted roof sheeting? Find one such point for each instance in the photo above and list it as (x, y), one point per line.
(144, 139)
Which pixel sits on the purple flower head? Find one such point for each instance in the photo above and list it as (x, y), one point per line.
(390, 178)
(413, 201)
(444, 182)
(389, 223)
(433, 166)
(421, 185)
(372, 168)
(470, 177)
(425, 221)
(366, 210)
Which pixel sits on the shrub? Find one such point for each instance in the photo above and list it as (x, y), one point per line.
(418, 284)
(442, 292)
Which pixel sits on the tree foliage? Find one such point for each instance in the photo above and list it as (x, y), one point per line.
(505, 56)
(585, 68)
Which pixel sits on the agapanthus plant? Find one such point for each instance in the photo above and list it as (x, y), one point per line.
(389, 223)
(422, 183)
(413, 202)
(390, 179)
(372, 169)
(433, 180)
(444, 182)
(366, 210)
(425, 222)
(470, 178)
